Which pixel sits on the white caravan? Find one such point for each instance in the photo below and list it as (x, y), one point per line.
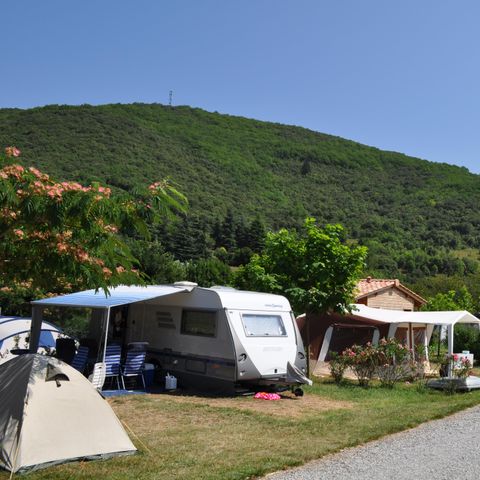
(214, 338)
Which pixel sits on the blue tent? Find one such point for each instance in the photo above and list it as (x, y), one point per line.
(15, 331)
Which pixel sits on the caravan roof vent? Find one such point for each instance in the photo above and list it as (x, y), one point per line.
(185, 284)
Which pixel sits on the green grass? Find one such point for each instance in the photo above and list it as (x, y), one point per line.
(239, 438)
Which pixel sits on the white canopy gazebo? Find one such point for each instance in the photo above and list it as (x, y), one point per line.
(410, 320)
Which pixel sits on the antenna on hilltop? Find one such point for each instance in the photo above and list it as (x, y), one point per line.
(170, 97)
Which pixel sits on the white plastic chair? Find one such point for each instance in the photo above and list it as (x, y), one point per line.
(97, 378)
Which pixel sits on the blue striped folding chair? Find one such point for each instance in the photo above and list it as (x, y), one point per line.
(80, 359)
(113, 354)
(133, 366)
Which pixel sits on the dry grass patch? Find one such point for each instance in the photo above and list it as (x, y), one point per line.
(289, 406)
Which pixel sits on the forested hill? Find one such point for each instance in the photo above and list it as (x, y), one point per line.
(417, 217)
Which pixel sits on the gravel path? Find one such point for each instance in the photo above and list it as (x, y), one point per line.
(442, 449)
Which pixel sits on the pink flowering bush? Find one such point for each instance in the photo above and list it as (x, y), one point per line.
(394, 362)
(362, 359)
(58, 236)
(390, 361)
(460, 367)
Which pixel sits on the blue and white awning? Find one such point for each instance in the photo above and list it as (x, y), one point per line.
(122, 295)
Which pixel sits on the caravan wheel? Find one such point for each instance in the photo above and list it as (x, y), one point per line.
(298, 392)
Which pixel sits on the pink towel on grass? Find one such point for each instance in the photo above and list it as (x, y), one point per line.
(267, 396)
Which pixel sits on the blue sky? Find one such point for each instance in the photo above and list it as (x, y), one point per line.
(401, 76)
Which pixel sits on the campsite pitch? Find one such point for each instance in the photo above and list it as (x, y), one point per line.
(183, 437)
(289, 406)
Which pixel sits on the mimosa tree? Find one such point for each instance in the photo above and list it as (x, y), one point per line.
(62, 236)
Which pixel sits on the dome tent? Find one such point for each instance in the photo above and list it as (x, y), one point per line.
(14, 332)
(51, 414)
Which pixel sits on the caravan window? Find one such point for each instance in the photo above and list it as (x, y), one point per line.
(257, 325)
(199, 322)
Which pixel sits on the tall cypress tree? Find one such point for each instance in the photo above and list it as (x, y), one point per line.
(256, 235)
(189, 240)
(227, 234)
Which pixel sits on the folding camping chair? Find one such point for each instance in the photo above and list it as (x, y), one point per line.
(133, 366)
(97, 378)
(80, 359)
(113, 355)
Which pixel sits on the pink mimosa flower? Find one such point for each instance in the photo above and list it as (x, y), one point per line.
(12, 152)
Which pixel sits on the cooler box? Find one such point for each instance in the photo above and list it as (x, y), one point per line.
(149, 374)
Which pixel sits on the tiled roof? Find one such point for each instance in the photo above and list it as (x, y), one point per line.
(370, 285)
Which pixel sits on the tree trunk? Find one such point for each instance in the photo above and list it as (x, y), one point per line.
(307, 341)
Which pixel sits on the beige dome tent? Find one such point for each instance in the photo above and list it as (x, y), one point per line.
(50, 413)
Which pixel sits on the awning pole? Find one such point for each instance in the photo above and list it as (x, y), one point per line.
(450, 339)
(391, 330)
(35, 328)
(410, 340)
(450, 346)
(425, 343)
(105, 328)
(439, 340)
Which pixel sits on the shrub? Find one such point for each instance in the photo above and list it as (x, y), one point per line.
(393, 362)
(363, 361)
(337, 366)
(459, 367)
(467, 338)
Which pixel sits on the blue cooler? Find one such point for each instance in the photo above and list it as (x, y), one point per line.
(149, 374)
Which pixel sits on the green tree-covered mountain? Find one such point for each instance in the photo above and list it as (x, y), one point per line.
(417, 217)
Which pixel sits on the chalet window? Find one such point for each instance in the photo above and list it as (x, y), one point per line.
(199, 322)
(263, 325)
